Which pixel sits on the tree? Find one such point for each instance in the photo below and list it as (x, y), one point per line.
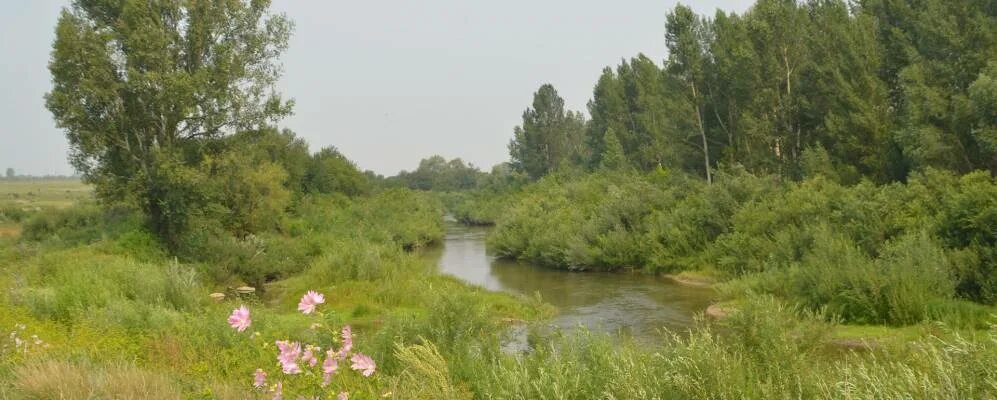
(687, 39)
(608, 110)
(942, 47)
(549, 136)
(10, 173)
(141, 87)
(331, 172)
(253, 193)
(846, 103)
(283, 148)
(612, 158)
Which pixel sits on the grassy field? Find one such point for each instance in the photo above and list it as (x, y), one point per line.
(20, 198)
(43, 193)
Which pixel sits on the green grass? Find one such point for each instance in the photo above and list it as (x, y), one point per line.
(119, 318)
(43, 193)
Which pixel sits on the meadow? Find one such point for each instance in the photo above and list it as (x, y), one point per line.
(106, 313)
(20, 198)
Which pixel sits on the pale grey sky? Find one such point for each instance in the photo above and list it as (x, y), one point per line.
(387, 82)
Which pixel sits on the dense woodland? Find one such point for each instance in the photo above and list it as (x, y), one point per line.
(869, 90)
(828, 165)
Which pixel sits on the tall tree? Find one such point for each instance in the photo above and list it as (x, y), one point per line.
(612, 158)
(549, 137)
(139, 86)
(10, 173)
(939, 48)
(844, 101)
(687, 38)
(775, 29)
(608, 110)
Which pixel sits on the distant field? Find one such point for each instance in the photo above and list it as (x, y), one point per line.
(43, 193)
(32, 195)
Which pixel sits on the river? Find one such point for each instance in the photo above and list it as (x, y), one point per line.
(632, 304)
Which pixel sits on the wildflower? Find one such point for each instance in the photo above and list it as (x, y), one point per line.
(330, 365)
(343, 396)
(363, 364)
(291, 368)
(259, 378)
(240, 319)
(347, 342)
(288, 357)
(309, 301)
(309, 356)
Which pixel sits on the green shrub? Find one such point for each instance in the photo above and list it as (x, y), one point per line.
(82, 224)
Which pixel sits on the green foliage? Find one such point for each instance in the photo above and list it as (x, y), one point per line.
(83, 224)
(282, 148)
(253, 194)
(331, 172)
(549, 137)
(613, 157)
(144, 89)
(436, 173)
(895, 254)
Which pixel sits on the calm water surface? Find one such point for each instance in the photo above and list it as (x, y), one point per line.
(626, 303)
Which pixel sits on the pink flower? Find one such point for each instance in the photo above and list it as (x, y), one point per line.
(330, 365)
(347, 342)
(343, 396)
(240, 319)
(309, 301)
(288, 357)
(291, 368)
(363, 364)
(309, 355)
(259, 378)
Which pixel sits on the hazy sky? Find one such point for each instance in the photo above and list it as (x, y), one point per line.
(387, 82)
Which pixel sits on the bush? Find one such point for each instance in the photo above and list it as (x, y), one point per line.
(82, 224)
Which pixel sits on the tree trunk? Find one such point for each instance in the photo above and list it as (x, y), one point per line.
(702, 134)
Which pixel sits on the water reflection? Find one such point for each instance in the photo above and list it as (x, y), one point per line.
(633, 304)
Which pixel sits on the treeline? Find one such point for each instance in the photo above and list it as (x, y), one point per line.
(871, 89)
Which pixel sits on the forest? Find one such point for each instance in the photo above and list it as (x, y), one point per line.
(823, 170)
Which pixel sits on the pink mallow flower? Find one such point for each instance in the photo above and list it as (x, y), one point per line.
(329, 367)
(347, 343)
(363, 364)
(259, 378)
(309, 355)
(309, 301)
(288, 357)
(240, 319)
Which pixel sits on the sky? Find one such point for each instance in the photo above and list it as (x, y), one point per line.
(388, 82)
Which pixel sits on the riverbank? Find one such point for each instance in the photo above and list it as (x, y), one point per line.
(806, 242)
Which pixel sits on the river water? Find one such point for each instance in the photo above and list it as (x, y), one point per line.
(630, 304)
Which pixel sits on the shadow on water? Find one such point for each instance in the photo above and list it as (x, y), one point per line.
(632, 304)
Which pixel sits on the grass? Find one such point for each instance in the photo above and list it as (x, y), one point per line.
(43, 193)
(118, 318)
(22, 198)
